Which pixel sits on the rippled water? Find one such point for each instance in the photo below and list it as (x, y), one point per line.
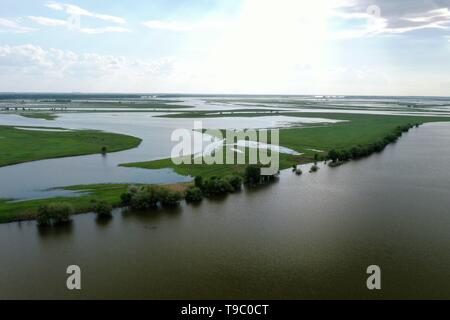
(304, 237)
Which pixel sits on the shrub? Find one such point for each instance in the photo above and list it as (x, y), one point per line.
(199, 182)
(314, 168)
(252, 175)
(194, 195)
(235, 181)
(217, 186)
(126, 199)
(316, 158)
(127, 196)
(333, 155)
(169, 198)
(103, 209)
(298, 172)
(146, 197)
(54, 214)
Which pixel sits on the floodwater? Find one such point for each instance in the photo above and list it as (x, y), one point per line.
(304, 237)
(38, 179)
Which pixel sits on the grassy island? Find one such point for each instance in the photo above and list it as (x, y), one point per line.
(24, 144)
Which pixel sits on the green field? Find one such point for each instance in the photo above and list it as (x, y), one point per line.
(358, 130)
(18, 146)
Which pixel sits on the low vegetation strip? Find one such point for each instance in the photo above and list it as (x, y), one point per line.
(19, 146)
(90, 195)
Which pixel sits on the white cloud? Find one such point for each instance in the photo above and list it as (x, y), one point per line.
(12, 26)
(391, 18)
(74, 10)
(103, 30)
(183, 26)
(29, 67)
(49, 22)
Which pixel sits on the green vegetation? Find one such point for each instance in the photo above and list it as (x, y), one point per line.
(194, 195)
(355, 133)
(18, 146)
(357, 152)
(41, 115)
(89, 197)
(252, 175)
(103, 209)
(54, 214)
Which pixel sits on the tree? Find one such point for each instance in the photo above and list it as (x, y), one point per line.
(252, 175)
(193, 195)
(333, 155)
(54, 214)
(235, 181)
(169, 199)
(103, 209)
(145, 198)
(198, 182)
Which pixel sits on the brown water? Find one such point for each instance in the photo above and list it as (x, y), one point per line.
(303, 237)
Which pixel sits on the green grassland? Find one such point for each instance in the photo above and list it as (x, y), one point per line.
(357, 130)
(18, 146)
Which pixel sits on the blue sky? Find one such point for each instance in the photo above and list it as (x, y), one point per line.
(364, 47)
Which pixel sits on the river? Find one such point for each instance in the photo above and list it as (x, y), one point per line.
(303, 237)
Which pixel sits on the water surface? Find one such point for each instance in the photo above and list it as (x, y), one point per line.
(304, 237)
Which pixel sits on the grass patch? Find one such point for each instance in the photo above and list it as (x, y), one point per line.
(18, 146)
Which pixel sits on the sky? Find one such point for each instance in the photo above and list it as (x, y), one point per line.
(320, 47)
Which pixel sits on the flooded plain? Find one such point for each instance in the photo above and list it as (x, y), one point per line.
(304, 237)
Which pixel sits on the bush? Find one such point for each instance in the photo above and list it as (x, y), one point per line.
(54, 214)
(252, 175)
(146, 197)
(235, 181)
(199, 182)
(314, 168)
(333, 155)
(103, 209)
(298, 172)
(217, 186)
(170, 198)
(194, 195)
(126, 199)
(127, 196)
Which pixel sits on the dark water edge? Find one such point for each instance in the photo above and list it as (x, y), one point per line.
(302, 238)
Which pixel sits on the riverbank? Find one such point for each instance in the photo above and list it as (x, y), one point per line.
(25, 144)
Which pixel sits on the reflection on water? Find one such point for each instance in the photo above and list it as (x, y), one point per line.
(304, 237)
